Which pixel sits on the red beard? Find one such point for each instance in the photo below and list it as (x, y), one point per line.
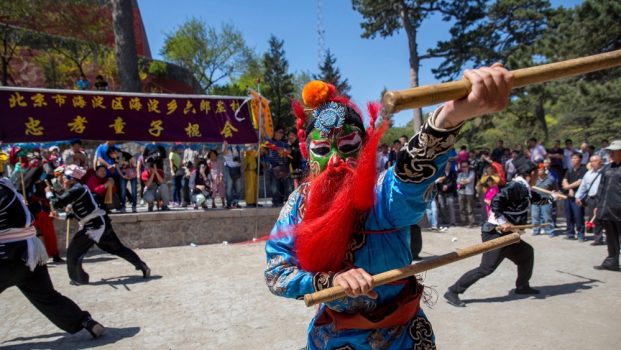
(336, 198)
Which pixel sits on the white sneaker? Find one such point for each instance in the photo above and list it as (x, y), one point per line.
(443, 229)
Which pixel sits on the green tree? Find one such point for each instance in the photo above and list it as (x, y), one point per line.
(279, 83)
(300, 79)
(387, 17)
(329, 72)
(213, 56)
(79, 28)
(587, 106)
(13, 15)
(509, 32)
(247, 80)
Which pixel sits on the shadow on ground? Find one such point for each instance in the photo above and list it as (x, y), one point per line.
(545, 292)
(124, 281)
(80, 340)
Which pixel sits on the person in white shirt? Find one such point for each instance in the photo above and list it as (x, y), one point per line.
(586, 196)
(537, 151)
(465, 193)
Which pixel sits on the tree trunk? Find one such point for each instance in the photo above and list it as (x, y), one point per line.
(125, 45)
(540, 115)
(5, 72)
(5, 60)
(414, 61)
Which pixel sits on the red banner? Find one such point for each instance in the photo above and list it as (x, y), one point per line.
(43, 115)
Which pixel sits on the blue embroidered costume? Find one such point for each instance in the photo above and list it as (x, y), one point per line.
(381, 242)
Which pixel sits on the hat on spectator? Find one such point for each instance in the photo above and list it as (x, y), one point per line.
(54, 148)
(614, 145)
(74, 171)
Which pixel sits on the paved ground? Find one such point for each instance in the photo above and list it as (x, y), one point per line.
(213, 297)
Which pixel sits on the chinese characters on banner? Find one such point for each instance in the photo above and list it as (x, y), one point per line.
(31, 115)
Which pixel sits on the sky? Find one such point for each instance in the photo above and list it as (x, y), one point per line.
(370, 65)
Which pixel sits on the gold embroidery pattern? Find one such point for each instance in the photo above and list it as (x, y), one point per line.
(322, 280)
(422, 334)
(415, 163)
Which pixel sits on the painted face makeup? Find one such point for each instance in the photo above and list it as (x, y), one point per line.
(344, 142)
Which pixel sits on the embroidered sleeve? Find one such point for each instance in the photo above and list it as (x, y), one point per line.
(282, 274)
(415, 161)
(406, 187)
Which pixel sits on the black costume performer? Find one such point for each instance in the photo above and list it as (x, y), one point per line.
(509, 206)
(94, 228)
(22, 264)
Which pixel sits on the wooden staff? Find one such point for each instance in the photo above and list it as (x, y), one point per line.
(109, 195)
(542, 190)
(68, 230)
(395, 101)
(21, 174)
(337, 292)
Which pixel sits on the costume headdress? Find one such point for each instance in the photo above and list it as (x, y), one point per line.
(329, 111)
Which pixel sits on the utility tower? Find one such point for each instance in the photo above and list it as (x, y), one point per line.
(321, 33)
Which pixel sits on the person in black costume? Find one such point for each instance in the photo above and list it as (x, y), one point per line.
(509, 207)
(22, 264)
(94, 224)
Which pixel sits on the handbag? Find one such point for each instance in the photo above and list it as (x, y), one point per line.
(585, 200)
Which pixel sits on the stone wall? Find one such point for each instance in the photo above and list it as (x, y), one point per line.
(178, 228)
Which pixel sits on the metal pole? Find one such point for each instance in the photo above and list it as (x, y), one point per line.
(256, 208)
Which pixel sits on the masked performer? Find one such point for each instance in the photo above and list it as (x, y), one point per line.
(345, 223)
(22, 264)
(509, 207)
(94, 224)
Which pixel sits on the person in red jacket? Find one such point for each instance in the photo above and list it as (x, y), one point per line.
(156, 189)
(99, 183)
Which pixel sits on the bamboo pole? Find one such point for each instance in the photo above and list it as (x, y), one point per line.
(542, 190)
(21, 174)
(337, 292)
(395, 101)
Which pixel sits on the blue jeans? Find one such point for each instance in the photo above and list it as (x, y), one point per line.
(280, 188)
(177, 188)
(133, 194)
(432, 213)
(575, 218)
(542, 214)
(233, 188)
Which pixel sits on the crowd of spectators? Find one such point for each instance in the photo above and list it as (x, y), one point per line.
(161, 178)
(472, 177)
(186, 176)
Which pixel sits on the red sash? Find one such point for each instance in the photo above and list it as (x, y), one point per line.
(397, 312)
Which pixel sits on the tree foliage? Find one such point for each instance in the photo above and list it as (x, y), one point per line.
(329, 72)
(523, 33)
(278, 82)
(384, 18)
(212, 55)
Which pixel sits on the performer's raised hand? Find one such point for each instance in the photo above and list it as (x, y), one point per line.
(491, 88)
(506, 227)
(356, 282)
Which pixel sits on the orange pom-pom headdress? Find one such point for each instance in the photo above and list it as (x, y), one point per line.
(329, 111)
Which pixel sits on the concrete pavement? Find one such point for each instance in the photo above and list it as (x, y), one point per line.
(214, 297)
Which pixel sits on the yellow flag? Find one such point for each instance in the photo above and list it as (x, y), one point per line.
(260, 103)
